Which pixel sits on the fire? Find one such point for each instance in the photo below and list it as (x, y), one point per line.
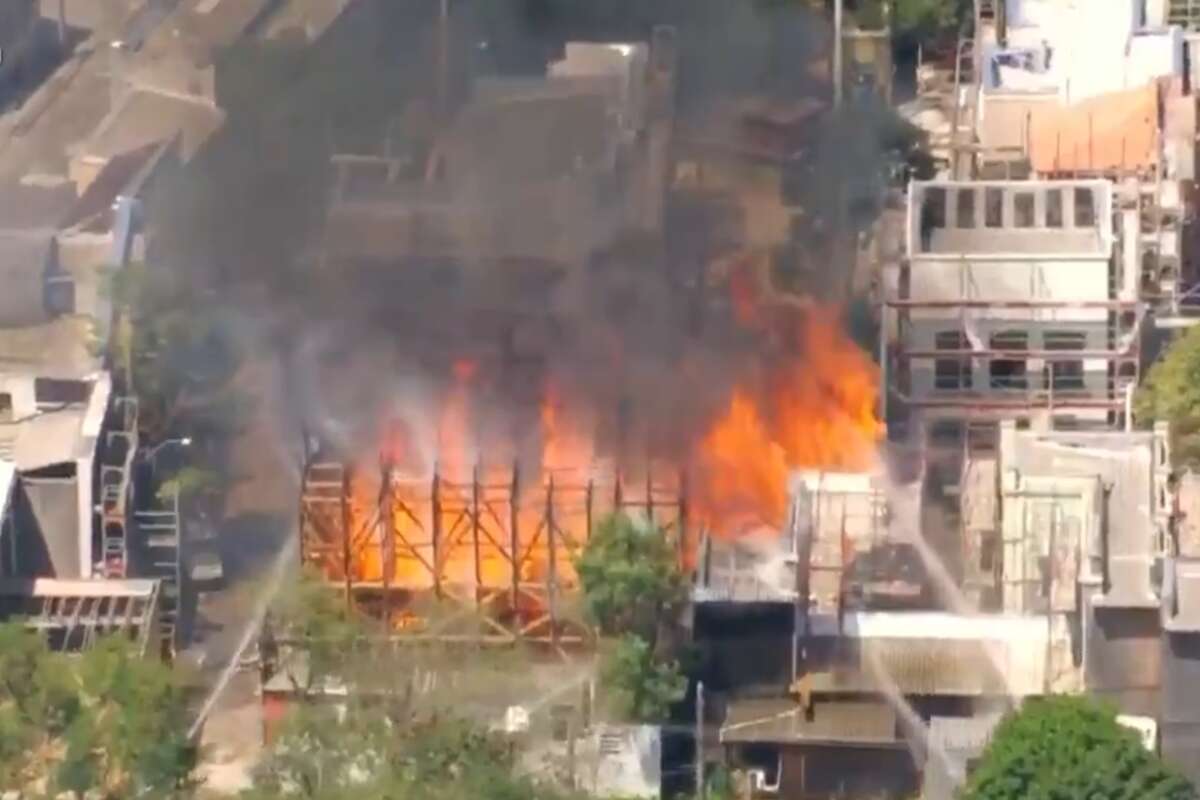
(816, 410)
(810, 403)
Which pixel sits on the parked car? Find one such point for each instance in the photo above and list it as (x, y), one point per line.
(202, 555)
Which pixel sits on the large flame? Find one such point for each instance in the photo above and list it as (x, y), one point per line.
(809, 401)
(816, 410)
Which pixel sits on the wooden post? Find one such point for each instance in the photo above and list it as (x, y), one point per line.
(436, 530)
(682, 544)
(618, 499)
(514, 539)
(475, 533)
(701, 789)
(587, 507)
(649, 495)
(551, 563)
(387, 544)
(347, 532)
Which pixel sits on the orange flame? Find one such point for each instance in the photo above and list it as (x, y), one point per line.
(818, 412)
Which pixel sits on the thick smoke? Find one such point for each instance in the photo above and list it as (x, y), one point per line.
(628, 331)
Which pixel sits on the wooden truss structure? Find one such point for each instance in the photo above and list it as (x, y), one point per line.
(501, 551)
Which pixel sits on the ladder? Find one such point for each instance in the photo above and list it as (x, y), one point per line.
(158, 530)
(116, 492)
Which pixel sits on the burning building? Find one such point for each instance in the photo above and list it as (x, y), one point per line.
(554, 370)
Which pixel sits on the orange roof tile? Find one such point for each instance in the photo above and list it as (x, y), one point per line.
(1110, 132)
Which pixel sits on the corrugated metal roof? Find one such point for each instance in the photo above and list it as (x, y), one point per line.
(782, 720)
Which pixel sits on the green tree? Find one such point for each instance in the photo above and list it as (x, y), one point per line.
(1065, 747)
(1170, 392)
(320, 628)
(630, 577)
(644, 686)
(107, 720)
(632, 588)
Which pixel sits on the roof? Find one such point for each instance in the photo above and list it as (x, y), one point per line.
(30, 206)
(1116, 131)
(61, 434)
(115, 177)
(310, 17)
(148, 117)
(24, 263)
(783, 720)
(1130, 464)
(928, 653)
(529, 139)
(60, 348)
(219, 22)
(72, 613)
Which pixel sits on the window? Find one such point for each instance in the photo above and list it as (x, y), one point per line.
(51, 392)
(1085, 208)
(952, 373)
(964, 201)
(1023, 209)
(1008, 373)
(946, 432)
(933, 214)
(1054, 208)
(993, 207)
(1064, 375)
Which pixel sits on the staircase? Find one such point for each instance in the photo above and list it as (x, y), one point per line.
(158, 531)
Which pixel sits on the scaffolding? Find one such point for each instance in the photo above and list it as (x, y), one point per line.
(489, 544)
(158, 529)
(116, 486)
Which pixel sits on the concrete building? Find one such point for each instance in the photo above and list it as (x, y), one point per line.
(874, 644)
(1017, 300)
(532, 171)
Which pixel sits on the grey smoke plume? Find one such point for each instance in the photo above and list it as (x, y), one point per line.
(629, 329)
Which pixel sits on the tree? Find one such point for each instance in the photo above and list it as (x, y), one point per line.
(1171, 393)
(644, 687)
(1066, 747)
(106, 721)
(630, 577)
(632, 586)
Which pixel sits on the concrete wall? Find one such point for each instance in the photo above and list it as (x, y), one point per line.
(46, 523)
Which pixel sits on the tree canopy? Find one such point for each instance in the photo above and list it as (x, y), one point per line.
(1171, 393)
(1064, 747)
(630, 577)
(106, 721)
(632, 586)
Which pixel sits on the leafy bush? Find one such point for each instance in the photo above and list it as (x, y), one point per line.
(1066, 747)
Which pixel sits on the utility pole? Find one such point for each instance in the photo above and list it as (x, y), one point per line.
(701, 789)
(837, 53)
(443, 78)
(62, 27)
